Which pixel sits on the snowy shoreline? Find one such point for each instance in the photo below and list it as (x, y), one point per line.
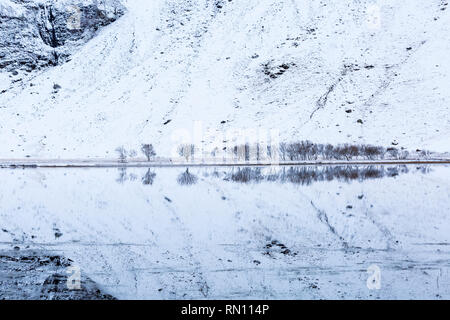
(110, 163)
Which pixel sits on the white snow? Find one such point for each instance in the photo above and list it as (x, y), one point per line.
(166, 68)
(10, 9)
(188, 61)
(210, 240)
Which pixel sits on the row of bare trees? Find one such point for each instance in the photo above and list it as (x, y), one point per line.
(147, 149)
(296, 151)
(301, 151)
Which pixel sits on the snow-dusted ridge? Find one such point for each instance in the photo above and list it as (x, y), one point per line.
(326, 71)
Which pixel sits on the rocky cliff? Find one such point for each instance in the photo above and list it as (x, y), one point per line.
(36, 34)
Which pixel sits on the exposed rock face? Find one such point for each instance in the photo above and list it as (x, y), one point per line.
(40, 33)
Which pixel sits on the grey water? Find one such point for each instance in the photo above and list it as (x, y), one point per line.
(300, 232)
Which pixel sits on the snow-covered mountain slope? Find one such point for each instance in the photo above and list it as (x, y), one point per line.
(328, 71)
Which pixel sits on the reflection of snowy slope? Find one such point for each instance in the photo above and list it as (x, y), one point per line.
(225, 239)
(218, 61)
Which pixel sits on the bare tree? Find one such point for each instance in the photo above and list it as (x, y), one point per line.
(392, 153)
(187, 178)
(372, 152)
(187, 151)
(122, 175)
(122, 152)
(148, 178)
(148, 151)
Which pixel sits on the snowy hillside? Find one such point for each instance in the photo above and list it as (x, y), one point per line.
(329, 71)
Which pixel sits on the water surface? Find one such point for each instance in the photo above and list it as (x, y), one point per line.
(226, 233)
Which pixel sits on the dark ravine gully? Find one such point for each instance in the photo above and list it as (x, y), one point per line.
(46, 34)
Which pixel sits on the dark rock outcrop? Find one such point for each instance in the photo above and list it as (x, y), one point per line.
(36, 34)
